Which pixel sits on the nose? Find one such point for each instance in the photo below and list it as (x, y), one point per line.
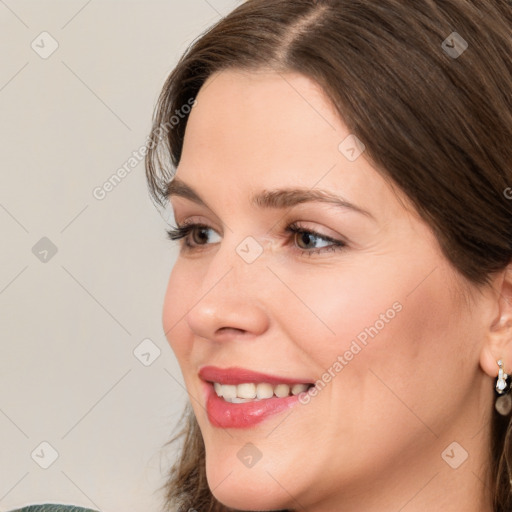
(232, 298)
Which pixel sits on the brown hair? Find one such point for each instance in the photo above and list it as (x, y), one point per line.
(437, 124)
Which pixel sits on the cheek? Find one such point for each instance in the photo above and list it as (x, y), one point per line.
(393, 320)
(178, 300)
(338, 310)
(415, 356)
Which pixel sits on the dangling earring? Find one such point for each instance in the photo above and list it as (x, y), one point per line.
(504, 402)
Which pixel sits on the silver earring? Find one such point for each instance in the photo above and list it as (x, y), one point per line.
(504, 401)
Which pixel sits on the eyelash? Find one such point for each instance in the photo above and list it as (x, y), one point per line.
(182, 232)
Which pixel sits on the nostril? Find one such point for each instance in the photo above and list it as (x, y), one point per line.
(228, 329)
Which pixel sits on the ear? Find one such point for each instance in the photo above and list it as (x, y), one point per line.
(498, 332)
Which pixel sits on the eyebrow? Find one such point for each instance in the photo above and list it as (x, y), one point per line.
(279, 198)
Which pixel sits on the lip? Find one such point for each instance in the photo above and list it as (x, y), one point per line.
(236, 375)
(224, 414)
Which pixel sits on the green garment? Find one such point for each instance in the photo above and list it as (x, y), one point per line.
(53, 507)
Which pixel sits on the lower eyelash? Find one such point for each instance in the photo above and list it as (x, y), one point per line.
(336, 245)
(182, 232)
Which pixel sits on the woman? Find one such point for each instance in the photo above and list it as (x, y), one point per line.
(341, 305)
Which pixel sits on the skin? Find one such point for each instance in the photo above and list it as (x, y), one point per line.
(373, 438)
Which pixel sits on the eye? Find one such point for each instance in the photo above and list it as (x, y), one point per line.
(188, 233)
(308, 235)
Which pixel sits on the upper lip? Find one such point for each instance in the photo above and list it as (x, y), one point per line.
(236, 375)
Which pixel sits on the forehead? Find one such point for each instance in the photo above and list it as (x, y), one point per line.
(254, 130)
(241, 106)
(262, 125)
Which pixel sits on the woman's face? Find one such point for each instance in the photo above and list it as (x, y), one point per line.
(374, 318)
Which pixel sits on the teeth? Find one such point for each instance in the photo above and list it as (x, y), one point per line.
(264, 391)
(237, 400)
(282, 390)
(299, 388)
(248, 392)
(228, 392)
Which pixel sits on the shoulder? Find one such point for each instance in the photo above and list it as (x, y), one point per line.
(52, 507)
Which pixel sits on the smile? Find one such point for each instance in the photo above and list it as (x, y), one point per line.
(241, 398)
(250, 391)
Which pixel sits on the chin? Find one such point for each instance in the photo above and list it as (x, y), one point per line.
(245, 489)
(249, 499)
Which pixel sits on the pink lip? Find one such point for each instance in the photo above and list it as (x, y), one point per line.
(236, 375)
(245, 415)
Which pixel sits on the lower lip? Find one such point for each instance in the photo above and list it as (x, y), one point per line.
(245, 415)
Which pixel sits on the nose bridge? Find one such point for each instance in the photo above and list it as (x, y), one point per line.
(232, 293)
(239, 264)
(250, 253)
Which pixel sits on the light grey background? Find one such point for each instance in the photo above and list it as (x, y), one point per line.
(70, 324)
